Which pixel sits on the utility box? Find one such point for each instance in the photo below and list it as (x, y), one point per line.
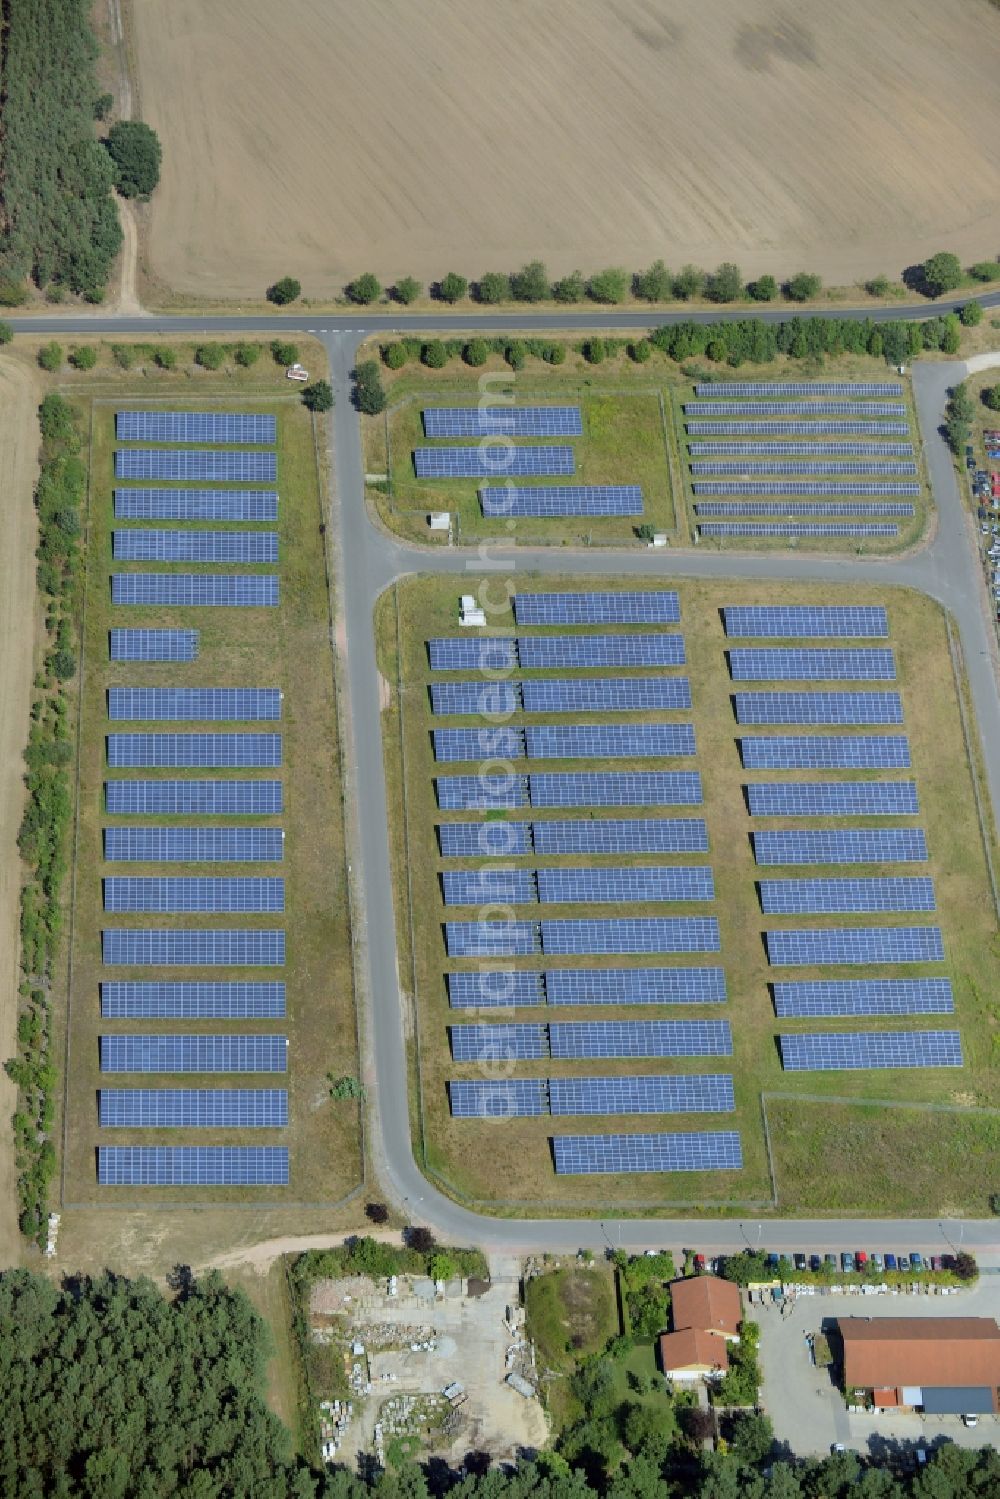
(469, 612)
(439, 520)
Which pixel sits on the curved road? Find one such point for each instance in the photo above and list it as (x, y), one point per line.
(368, 560)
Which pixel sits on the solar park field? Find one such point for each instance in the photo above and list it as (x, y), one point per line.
(669, 857)
(210, 979)
(831, 464)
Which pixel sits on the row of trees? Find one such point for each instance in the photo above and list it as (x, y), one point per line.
(44, 828)
(613, 285)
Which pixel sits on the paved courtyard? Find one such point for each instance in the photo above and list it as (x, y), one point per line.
(806, 1407)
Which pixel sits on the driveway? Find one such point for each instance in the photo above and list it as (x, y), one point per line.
(806, 1407)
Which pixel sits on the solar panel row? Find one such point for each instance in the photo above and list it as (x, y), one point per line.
(201, 845)
(824, 428)
(195, 704)
(595, 1038)
(196, 591)
(192, 948)
(208, 751)
(637, 607)
(630, 741)
(841, 846)
(794, 408)
(175, 1054)
(811, 896)
(193, 798)
(193, 1108)
(833, 799)
(825, 752)
(833, 488)
(492, 418)
(818, 707)
(793, 510)
(192, 1001)
(800, 449)
(806, 528)
(192, 1166)
(668, 882)
(488, 791)
(194, 546)
(727, 388)
(196, 504)
(597, 1154)
(779, 664)
(492, 458)
(855, 945)
(195, 426)
(190, 463)
(805, 621)
(482, 1098)
(863, 997)
(499, 988)
(751, 468)
(490, 653)
(472, 939)
(169, 893)
(562, 499)
(154, 645)
(836, 1050)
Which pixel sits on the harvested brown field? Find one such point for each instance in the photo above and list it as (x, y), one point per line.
(326, 137)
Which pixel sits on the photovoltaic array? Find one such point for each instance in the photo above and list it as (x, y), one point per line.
(137, 545)
(153, 645)
(800, 622)
(509, 421)
(195, 426)
(655, 607)
(195, 704)
(166, 947)
(188, 463)
(191, 893)
(855, 945)
(755, 389)
(192, 1166)
(193, 1108)
(818, 707)
(196, 504)
(790, 515)
(203, 1053)
(193, 798)
(499, 988)
(196, 590)
(197, 845)
(562, 499)
(825, 752)
(616, 1154)
(201, 1000)
(493, 458)
(837, 1050)
(775, 664)
(841, 846)
(833, 799)
(217, 751)
(811, 896)
(794, 408)
(782, 528)
(862, 997)
(500, 1098)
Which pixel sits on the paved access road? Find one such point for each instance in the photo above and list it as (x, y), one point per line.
(368, 560)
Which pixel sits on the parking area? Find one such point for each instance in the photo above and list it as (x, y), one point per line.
(805, 1405)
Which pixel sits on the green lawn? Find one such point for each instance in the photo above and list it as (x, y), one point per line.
(289, 648)
(507, 1164)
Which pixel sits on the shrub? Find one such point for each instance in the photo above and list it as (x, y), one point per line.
(453, 287)
(554, 354)
(319, 395)
(165, 357)
(84, 357)
(284, 291)
(406, 290)
(122, 355)
(951, 339)
(530, 283)
(640, 350)
(991, 396)
(609, 286)
(135, 149)
(6, 333)
(210, 356)
(421, 1239)
(365, 289)
(284, 353)
(689, 283)
(369, 392)
(434, 354)
(878, 286)
(985, 270)
(941, 273)
(764, 289)
(394, 356)
(493, 287)
(971, 314)
(64, 665)
(442, 1266)
(50, 357)
(103, 105)
(476, 352)
(246, 355)
(654, 285)
(803, 287)
(876, 346)
(643, 533)
(569, 289)
(515, 354)
(376, 1212)
(725, 284)
(12, 294)
(595, 350)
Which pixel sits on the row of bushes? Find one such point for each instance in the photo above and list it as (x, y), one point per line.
(42, 839)
(613, 285)
(746, 340)
(208, 356)
(751, 1267)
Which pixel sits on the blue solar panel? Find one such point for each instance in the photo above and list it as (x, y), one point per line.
(758, 468)
(188, 947)
(498, 1098)
(801, 449)
(488, 743)
(493, 458)
(491, 939)
(487, 886)
(631, 935)
(841, 846)
(193, 798)
(863, 997)
(491, 419)
(190, 463)
(647, 835)
(494, 989)
(832, 488)
(653, 607)
(818, 707)
(795, 510)
(219, 751)
(734, 388)
(806, 621)
(196, 504)
(707, 1093)
(551, 652)
(833, 799)
(490, 839)
(154, 645)
(230, 1053)
(562, 499)
(616, 1154)
(834, 1050)
(176, 845)
(641, 1038)
(495, 1043)
(887, 944)
(194, 546)
(192, 1001)
(201, 591)
(191, 893)
(486, 698)
(626, 788)
(195, 426)
(485, 653)
(794, 408)
(196, 704)
(807, 897)
(631, 883)
(764, 427)
(606, 741)
(193, 1108)
(192, 1166)
(858, 529)
(635, 986)
(776, 664)
(825, 752)
(606, 694)
(483, 792)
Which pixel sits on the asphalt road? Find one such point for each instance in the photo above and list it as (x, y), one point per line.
(368, 560)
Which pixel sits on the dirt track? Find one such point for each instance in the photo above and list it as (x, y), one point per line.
(18, 466)
(328, 137)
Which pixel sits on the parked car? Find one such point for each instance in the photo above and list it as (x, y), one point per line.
(916, 1261)
(936, 1262)
(831, 1259)
(773, 1260)
(861, 1259)
(971, 1419)
(847, 1261)
(878, 1262)
(799, 1261)
(891, 1262)
(904, 1262)
(699, 1264)
(815, 1262)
